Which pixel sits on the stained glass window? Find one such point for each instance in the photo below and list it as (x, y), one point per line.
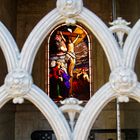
(69, 71)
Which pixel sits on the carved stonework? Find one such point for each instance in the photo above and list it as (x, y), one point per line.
(18, 83)
(120, 27)
(69, 9)
(122, 99)
(123, 80)
(120, 21)
(71, 106)
(71, 101)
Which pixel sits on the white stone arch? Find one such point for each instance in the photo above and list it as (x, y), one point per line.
(51, 112)
(40, 99)
(11, 89)
(123, 28)
(94, 107)
(131, 46)
(19, 86)
(47, 107)
(90, 20)
(91, 111)
(33, 42)
(9, 48)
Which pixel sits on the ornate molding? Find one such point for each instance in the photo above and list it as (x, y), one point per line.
(71, 106)
(120, 21)
(53, 19)
(123, 80)
(71, 101)
(104, 36)
(69, 9)
(18, 83)
(123, 98)
(120, 27)
(36, 37)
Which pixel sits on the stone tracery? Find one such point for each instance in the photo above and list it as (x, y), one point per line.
(120, 63)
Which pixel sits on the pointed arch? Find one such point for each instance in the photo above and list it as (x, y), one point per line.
(95, 105)
(90, 20)
(51, 112)
(48, 109)
(91, 111)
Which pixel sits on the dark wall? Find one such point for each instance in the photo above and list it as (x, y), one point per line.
(8, 18)
(129, 10)
(7, 122)
(8, 14)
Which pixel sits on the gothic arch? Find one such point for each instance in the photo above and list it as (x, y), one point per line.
(35, 39)
(91, 111)
(51, 112)
(90, 20)
(20, 77)
(93, 108)
(33, 42)
(23, 87)
(48, 109)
